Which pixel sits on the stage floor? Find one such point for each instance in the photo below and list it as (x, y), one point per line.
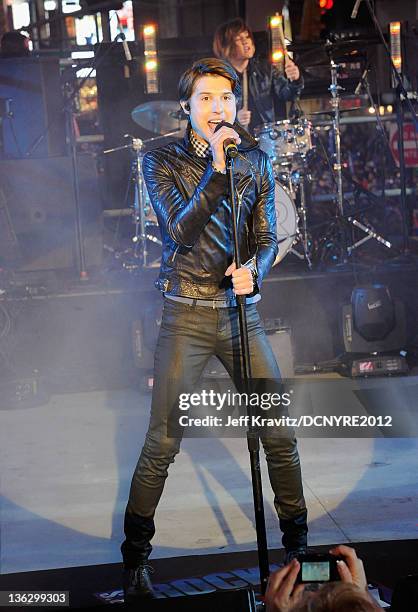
(67, 465)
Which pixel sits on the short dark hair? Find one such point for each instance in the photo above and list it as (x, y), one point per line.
(224, 39)
(203, 67)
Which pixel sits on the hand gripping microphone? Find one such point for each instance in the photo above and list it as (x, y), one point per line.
(229, 144)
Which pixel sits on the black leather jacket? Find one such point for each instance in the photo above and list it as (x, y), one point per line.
(270, 90)
(190, 200)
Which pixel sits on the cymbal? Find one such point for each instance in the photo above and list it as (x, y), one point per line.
(331, 111)
(160, 116)
(323, 71)
(343, 51)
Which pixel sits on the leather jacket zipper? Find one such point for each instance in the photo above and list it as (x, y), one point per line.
(240, 189)
(243, 186)
(175, 253)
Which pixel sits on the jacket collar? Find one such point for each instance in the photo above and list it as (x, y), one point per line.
(248, 143)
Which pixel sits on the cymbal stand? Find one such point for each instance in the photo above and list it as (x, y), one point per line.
(369, 231)
(140, 237)
(303, 232)
(341, 218)
(335, 89)
(295, 182)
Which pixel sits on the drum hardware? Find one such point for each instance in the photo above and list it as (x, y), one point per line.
(283, 141)
(164, 118)
(160, 117)
(343, 51)
(299, 178)
(288, 232)
(334, 90)
(287, 144)
(290, 183)
(145, 222)
(287, 220)
(343, 221)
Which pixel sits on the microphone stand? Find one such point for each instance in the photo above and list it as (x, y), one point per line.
(253, 439)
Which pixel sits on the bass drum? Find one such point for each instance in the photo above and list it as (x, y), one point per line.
(287, 221)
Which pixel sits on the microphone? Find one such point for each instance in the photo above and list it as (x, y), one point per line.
(355, 9)
(360, 83)
(229, 144)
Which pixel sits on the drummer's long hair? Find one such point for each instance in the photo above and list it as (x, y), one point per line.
(224, 39)
(204, 67)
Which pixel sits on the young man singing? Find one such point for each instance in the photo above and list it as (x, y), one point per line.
(188, 188)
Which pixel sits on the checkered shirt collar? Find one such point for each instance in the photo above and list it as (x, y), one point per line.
(202, 149)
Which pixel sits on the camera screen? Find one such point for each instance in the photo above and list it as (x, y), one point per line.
(315, 571)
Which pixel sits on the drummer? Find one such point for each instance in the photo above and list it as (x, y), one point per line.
(265, 90)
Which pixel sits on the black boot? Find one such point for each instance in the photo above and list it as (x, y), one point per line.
(139, 531)
(295, 535)
(136, 549)
(137, 583)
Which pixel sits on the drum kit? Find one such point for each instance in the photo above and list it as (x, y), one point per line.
(161, 117)
(288, 144)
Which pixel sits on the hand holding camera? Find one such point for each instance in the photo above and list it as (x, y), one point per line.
(318, 568)
(281, 594)
(350, 567)
(286, 586)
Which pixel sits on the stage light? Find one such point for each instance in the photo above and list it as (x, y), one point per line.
(381, 110)
(325, 5)
(389, 108)
(278, 45)
(374, 328)
(372, 110)
(277, 56)
(149, 32)
(150, 39)
(150, 65)
(395, 47)
(395, 27)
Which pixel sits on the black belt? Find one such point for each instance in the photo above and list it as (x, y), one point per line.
(232, 303)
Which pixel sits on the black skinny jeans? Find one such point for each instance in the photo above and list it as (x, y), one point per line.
(189, 336)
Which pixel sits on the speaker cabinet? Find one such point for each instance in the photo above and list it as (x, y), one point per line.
(37, 211)
(37, 125)
(281, 343)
